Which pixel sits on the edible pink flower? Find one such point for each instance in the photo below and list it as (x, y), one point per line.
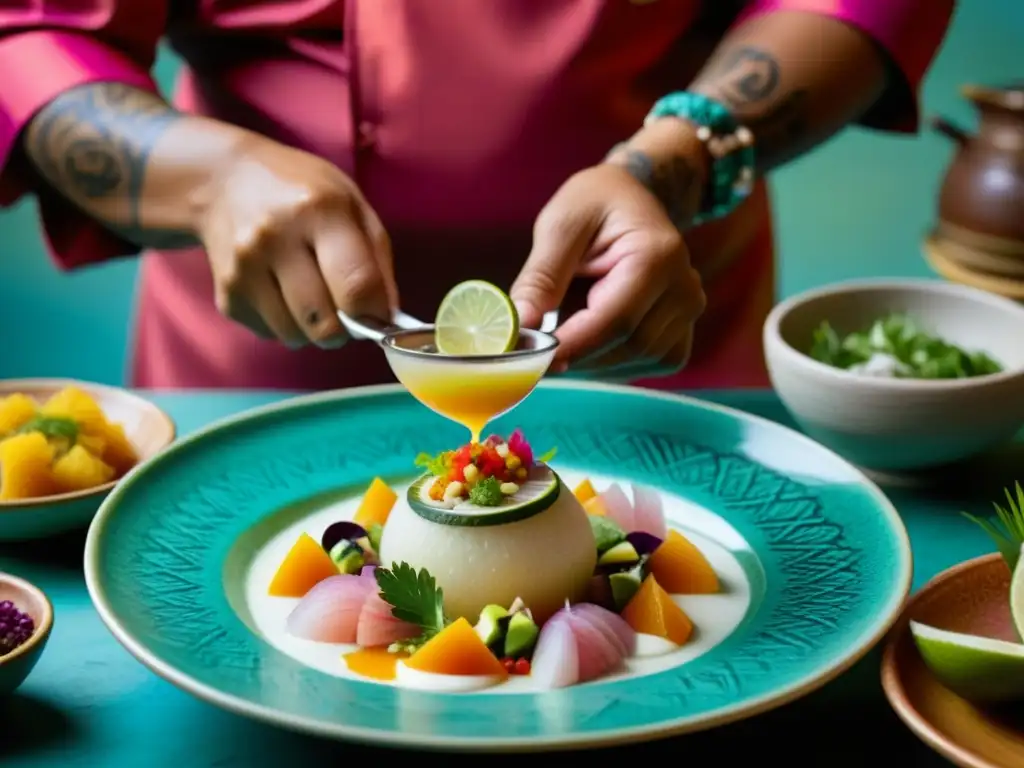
(518, 445)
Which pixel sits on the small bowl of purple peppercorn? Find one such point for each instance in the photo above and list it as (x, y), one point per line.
(26, 618)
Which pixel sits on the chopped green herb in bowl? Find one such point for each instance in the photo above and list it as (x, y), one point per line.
(895, 346)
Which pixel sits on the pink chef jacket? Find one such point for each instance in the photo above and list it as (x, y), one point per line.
(457, 118)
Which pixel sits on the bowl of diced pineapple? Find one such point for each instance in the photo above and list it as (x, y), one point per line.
(63, 446)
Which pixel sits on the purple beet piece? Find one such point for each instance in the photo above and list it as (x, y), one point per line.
(643, 543)
(343, 531)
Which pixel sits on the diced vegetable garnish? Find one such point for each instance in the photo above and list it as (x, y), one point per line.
(606, 533)
(912, 353)
(484, 473)
(305, 566)
(681, 568)
(376, 504)
(457, 650)
(643, 543)
(653, 612)
(341, 531)
(584, 492)
(373, 535)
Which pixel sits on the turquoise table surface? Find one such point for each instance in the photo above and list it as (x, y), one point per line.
(89, 704)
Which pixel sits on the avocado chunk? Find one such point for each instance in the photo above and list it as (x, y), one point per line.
(622, 553)
(522, 634)
(488, 626)
(348, 556)
(623, 586)
(373, 534)
(606, 533)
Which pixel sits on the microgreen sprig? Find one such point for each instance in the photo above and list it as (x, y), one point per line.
(1006, 528)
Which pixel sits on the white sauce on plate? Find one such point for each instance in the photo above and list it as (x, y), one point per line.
(714, 617)
(428, 681)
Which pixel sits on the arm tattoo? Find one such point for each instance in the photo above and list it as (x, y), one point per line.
(748, 81)
(671, 182)
(747, 76)
(93, 145)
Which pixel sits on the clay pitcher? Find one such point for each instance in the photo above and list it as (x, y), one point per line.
(981, 203)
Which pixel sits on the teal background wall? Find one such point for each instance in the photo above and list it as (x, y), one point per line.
(857, 207)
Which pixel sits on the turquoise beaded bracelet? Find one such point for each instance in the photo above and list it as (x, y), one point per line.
(732, 170)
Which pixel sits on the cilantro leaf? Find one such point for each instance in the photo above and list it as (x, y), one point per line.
(413, 596)
(436, 465)
(915, 354)
(486, 493)
(53, 427)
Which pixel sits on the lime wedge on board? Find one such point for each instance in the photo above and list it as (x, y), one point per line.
(1017, 595)
(980, 669)
(476, 318)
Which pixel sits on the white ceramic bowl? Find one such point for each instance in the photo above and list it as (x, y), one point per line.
(900, 424)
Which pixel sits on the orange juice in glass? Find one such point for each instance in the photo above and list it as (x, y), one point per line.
(471, 390)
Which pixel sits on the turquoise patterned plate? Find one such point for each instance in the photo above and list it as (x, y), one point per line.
(814, 559)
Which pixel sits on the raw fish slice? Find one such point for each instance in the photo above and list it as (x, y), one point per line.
(378, 626)
(613, 626)
(329, 613)
(555, 660)
(648, 514)
(617, 507)
(597, 654)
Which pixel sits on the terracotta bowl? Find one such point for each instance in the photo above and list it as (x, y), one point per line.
(972, 598)
(15, 666)
(900, 425)
(148, 428)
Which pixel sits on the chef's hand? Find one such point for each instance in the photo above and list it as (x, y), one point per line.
(603, 223)
(291, 240)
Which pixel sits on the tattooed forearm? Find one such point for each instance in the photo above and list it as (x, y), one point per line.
(794, 79)
(672, 180)
(93, 145)
(749, 81)
(747, 76)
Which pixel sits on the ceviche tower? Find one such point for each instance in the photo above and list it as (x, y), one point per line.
(487, 567)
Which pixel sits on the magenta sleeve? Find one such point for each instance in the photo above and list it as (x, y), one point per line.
(39, 63)
(909, 31)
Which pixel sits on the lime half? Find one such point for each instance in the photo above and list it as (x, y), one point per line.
(979, 669)
(476, 318)
(1017, 595)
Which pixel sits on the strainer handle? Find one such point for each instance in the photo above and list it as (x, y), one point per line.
(371, 329)
(550, 321)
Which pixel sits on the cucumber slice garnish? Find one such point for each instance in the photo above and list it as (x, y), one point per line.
(537, 494)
